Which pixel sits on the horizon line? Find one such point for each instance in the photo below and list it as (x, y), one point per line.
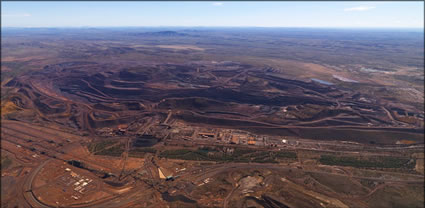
(163, 26)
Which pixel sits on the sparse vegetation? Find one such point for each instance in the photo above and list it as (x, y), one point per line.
(376, 162)
(140, 152)
(115, 151)
(239, 155)
(98, 146)
(282, 154)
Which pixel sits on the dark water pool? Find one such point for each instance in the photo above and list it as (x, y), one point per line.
(321, 81)
(145, 141)
(167, 197)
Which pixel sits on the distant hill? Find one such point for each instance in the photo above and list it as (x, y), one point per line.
(164, 34)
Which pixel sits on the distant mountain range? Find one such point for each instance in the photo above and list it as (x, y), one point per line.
(164, 33)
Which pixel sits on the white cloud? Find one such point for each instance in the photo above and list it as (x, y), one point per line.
(359, 9)
(217, 4)
(17, 15)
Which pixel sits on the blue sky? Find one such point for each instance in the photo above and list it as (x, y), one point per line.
(261, 14)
